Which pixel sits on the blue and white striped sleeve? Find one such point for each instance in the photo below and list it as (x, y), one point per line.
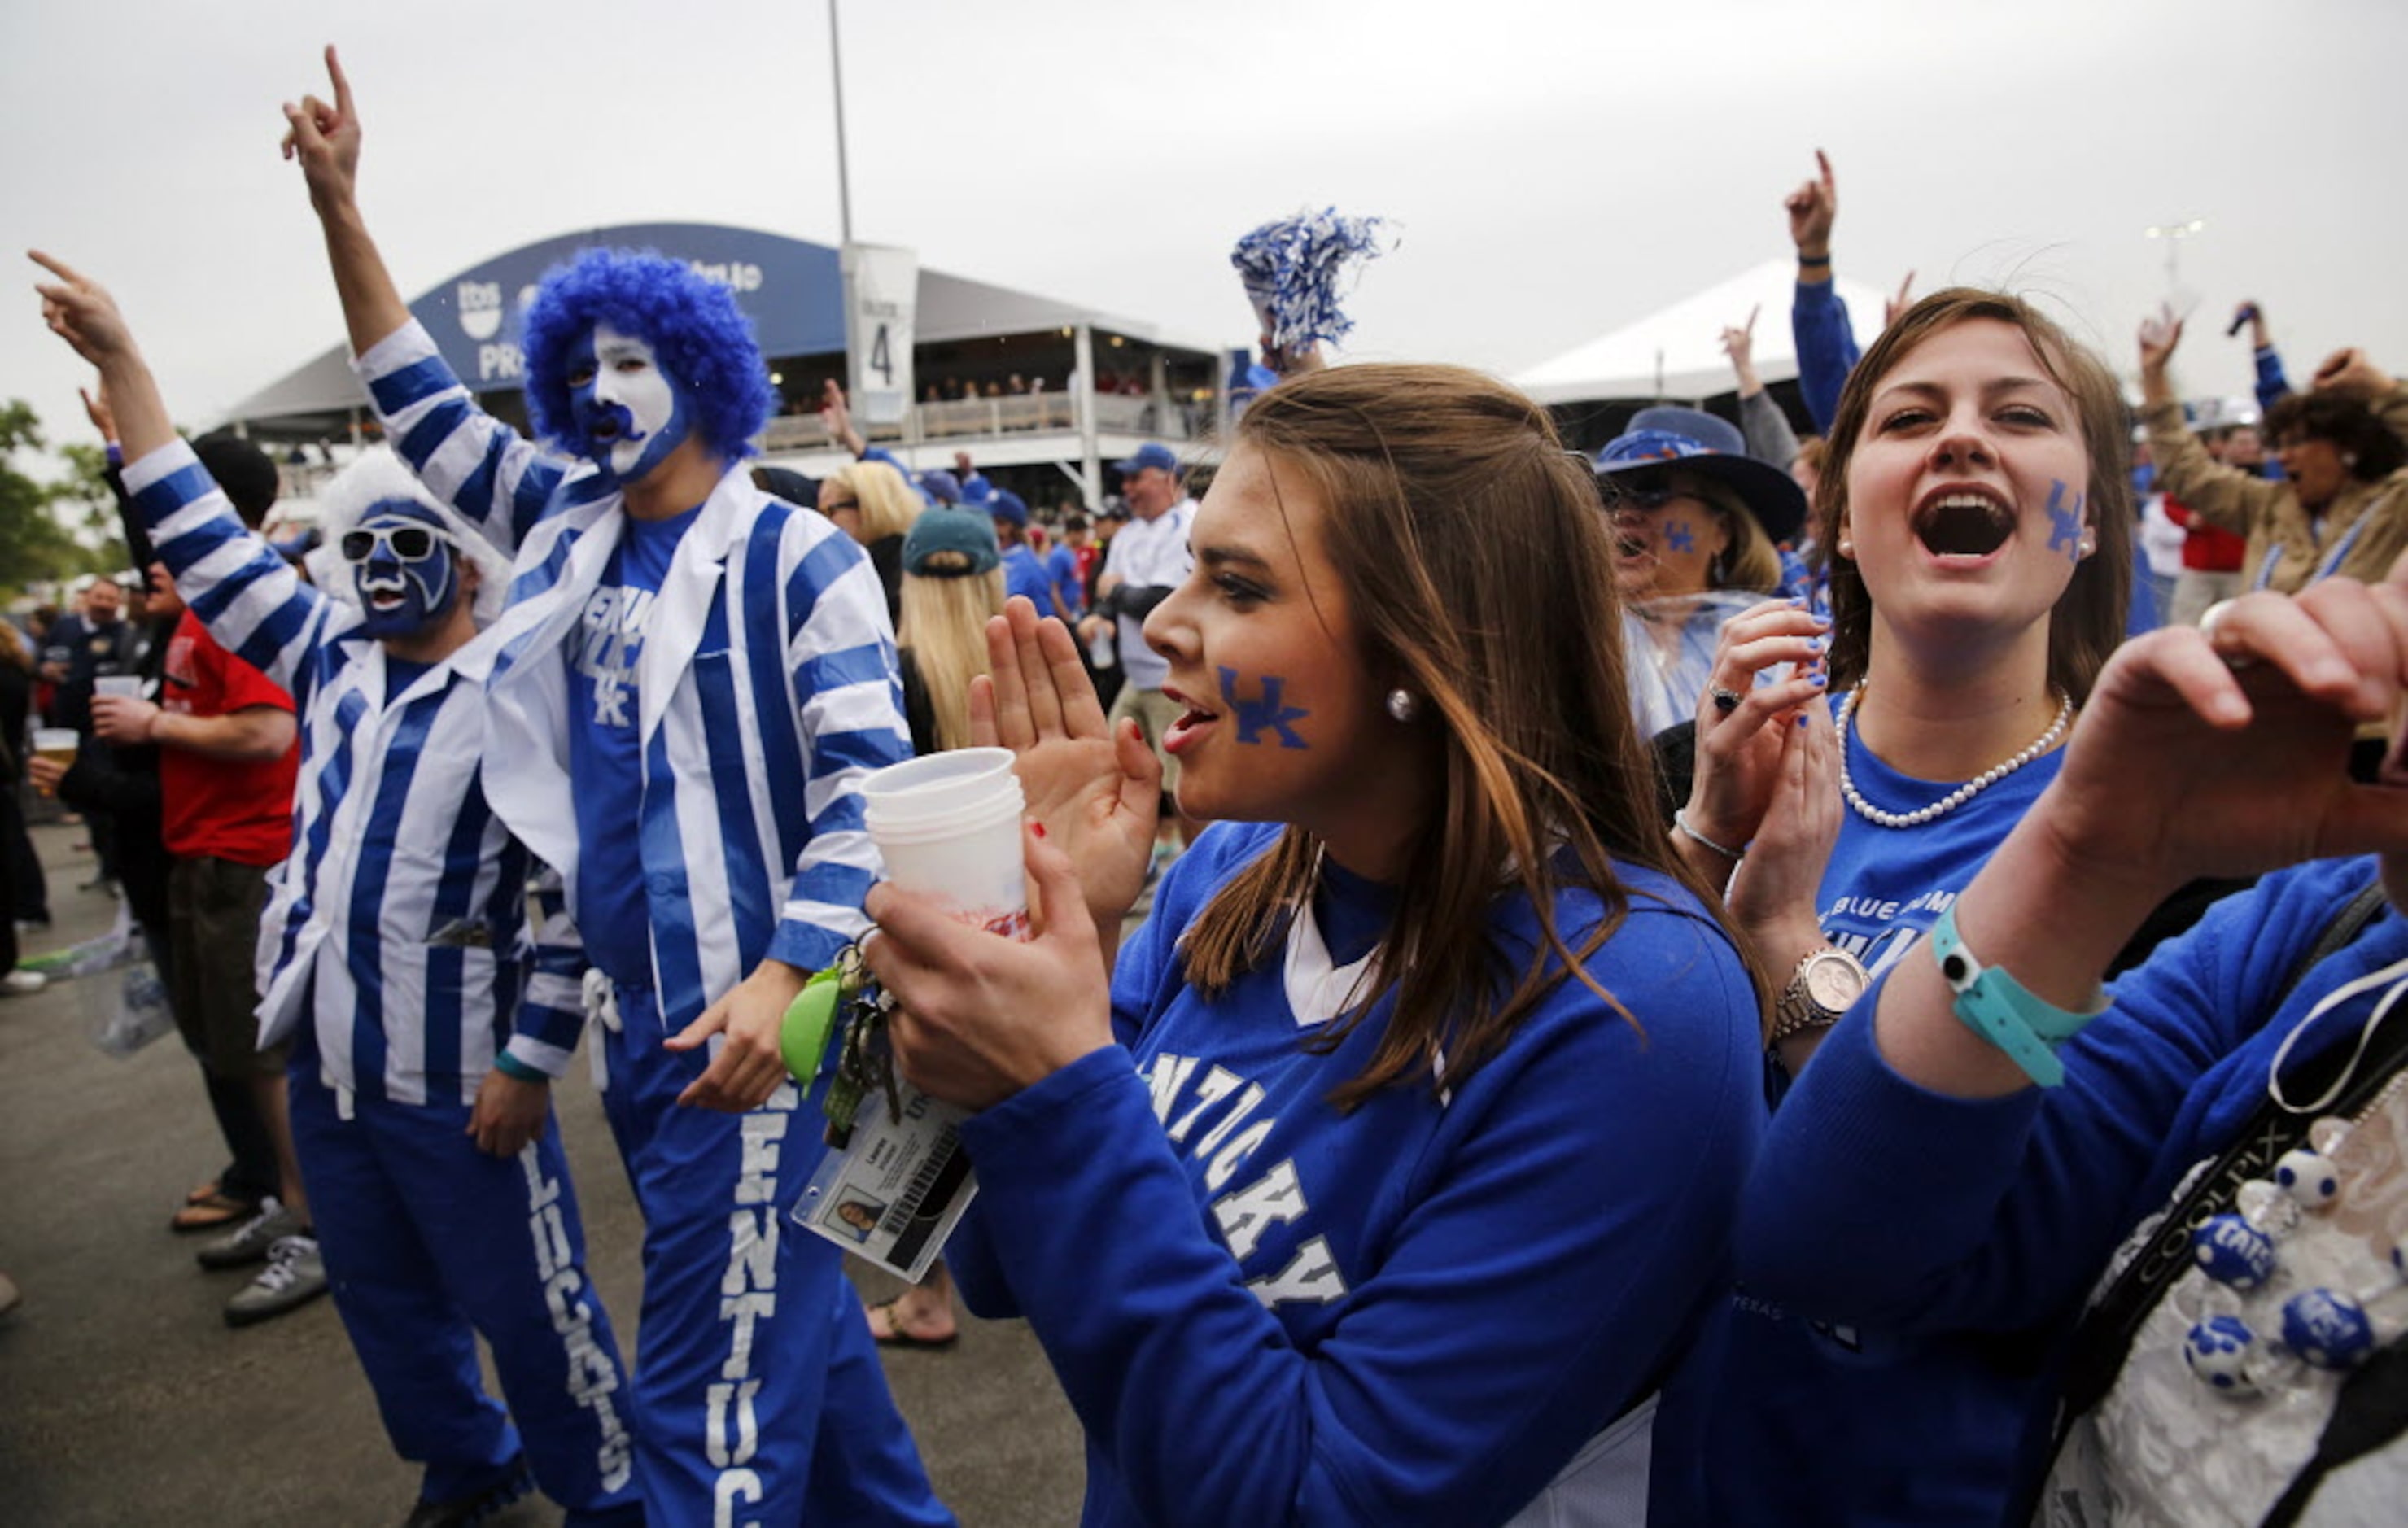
(247, 596)
(489, 472)
(841, 668)
(551, 1013)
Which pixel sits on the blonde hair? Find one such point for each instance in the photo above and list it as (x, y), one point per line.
(944, 630)
(889, 504)
(1749, 560)
(1480, 577)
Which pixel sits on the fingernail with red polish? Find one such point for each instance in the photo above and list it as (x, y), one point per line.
(1038, 828)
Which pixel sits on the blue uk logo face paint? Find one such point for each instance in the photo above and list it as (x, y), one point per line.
(1681, 535)
(2065, 520)
(1264, 713)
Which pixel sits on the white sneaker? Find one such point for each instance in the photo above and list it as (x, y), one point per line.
(19, 983)
(294, 1275)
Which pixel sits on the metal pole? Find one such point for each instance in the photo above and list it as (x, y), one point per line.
(843, 180)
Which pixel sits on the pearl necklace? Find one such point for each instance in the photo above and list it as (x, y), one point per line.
(1957, 797)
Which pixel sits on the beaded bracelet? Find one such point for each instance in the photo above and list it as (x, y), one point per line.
(2002, 1010)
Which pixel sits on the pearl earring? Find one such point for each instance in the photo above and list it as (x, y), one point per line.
(2088, 544)
(1846, 548)
(1402, 705)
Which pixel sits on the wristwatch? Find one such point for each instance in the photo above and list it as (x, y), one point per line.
(1826, 982)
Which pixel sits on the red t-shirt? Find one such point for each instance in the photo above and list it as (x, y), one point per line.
(221, 809)
(2209, 548)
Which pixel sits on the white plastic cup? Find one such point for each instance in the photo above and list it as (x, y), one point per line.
(948, 827)
(125, 686)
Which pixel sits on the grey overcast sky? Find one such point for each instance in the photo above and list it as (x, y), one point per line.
(1556, 169)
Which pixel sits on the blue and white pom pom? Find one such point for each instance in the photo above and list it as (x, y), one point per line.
(1293, 269)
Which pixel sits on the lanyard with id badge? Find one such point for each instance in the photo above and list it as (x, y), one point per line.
(895, 1180)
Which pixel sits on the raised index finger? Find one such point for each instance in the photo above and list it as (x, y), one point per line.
(1822, 163)
(342, 83)
(56, 266)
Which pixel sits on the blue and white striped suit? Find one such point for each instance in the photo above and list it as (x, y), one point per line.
(400, 917)
(769, 660)
(766, 689)
(395, 943)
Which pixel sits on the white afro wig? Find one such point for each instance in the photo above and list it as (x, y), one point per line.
(375, 478)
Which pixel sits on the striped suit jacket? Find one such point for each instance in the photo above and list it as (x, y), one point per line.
(767, 686)
(398, 922)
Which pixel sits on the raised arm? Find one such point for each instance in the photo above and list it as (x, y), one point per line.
(483, 468)
(1769, 437)
(325, 139)
(1818, 321)
(247, 596)
(2221, 495)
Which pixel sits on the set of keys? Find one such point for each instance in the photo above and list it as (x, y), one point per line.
(842, 993)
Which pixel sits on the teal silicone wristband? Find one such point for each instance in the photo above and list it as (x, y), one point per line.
(2002, 1010)
(510, 1066)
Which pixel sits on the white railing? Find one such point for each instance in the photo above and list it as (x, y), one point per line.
(973, 417)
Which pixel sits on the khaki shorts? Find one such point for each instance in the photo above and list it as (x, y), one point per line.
(1154, 713)
(213, 909)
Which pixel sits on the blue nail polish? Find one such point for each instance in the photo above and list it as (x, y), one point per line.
(1822, 680)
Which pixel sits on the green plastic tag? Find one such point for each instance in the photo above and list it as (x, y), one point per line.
(810, 1020)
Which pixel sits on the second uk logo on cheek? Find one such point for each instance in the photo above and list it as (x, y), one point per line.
(1263, 713)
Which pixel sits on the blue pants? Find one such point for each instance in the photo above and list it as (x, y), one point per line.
(425, 1236)
(759, 1397)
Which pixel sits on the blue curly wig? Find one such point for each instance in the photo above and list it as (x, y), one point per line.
(703, 340)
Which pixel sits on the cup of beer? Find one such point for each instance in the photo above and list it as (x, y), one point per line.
(57, 743)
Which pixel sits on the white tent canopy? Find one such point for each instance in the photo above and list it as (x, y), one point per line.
(1676, 354)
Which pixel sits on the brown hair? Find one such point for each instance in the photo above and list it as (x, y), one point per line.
(1480, 577)
(2371, 451)
(2089, 621)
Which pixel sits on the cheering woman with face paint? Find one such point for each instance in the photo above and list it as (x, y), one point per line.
(1981, 518)
(1381, 1179)
(1695, 522)
(420, 1072)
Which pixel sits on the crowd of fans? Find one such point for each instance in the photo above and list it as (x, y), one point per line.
(1753, 978)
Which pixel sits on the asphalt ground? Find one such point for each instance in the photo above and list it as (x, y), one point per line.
(124, 1398)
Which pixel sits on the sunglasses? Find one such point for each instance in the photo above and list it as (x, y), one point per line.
(410, 543)
(1616, 495)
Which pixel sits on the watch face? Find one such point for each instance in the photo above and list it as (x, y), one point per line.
(1834, 983)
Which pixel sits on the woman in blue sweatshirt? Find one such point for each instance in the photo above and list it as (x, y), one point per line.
(1917, 1182)
(1381, 1179)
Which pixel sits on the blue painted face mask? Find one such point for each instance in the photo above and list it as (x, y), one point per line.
(405, 566)
(628, 414)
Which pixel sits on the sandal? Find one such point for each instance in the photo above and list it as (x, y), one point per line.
(886, 1329)
(210, 1211)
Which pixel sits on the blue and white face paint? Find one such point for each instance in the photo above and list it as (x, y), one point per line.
(629, 415)
(404, 564)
